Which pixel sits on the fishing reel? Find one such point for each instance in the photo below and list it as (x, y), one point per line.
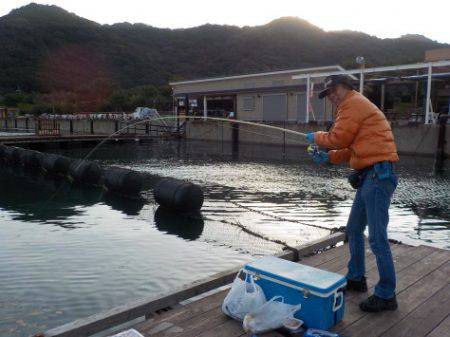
(312, 149)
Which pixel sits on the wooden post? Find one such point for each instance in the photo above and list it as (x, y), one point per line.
(383, 96)
(308, 89)
(284, 139)
(361, 80)
(205, 108)
(440, 150)
(235, 131)
(416, 95)
(222, 137)
(177, 119)
(428, 97)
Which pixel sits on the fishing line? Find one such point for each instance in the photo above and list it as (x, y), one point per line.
(265, 135)
(186, 118)
(238, 121)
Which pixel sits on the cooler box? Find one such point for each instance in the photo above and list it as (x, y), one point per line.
(321, 293)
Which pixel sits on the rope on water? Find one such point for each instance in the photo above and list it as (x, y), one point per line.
(285, 245)
(332, 230)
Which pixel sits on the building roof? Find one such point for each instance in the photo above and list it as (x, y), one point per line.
(272, 73)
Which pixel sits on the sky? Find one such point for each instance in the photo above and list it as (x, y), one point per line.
(382, 18)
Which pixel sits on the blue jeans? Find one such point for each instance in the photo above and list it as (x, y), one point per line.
(371, 207)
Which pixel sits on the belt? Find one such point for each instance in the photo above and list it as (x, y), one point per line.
(371, 167)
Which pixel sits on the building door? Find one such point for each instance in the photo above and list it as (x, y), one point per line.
(275, 107)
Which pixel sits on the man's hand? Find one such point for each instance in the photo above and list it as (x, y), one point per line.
(310, 137)
(319, 157)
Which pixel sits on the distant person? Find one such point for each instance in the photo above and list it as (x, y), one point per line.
(362, 136)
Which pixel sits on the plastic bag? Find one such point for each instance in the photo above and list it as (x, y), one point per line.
(243, 297)
(270, 316)
(128, 333)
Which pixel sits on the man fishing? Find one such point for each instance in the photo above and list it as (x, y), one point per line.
(362, 136)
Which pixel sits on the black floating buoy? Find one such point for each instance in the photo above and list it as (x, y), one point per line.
(31, 159)
(85, 172)
(178, 195)
(3, 149)
(12, 154)
(123, 181)
(56, 164)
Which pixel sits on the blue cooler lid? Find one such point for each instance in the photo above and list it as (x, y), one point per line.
(297, 274)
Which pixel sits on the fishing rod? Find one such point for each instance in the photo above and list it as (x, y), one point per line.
(220, 119)
(161, 118)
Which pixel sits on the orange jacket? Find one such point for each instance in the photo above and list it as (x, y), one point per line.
(361, 134)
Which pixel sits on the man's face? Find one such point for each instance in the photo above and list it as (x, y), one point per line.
(337, 94)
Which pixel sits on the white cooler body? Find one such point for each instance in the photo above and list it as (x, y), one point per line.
(321, 293)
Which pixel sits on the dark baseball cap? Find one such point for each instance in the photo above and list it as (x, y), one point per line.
(334, 80)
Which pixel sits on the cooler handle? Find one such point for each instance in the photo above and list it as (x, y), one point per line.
(338, 298)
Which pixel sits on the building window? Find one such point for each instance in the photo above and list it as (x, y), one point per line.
(249, 103)
(277, 83)
(249, 85)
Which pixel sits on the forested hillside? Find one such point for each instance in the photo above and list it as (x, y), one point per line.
(57, 58)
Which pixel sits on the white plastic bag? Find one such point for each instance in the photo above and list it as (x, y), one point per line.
(243, 297)
(269, 316)
(128, 333)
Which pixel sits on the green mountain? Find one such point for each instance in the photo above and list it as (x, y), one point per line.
(47, 49)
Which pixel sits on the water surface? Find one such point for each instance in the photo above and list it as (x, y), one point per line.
(68, 251)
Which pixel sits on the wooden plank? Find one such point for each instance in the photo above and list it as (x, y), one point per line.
(104, 320)
(415, 267)
(403, 259)
(340, 266)
(314, 246)
(425, 318)
(183, 312)
(230, 328)
(405, 278)
(373, 325)
(442, 330)
(194, 326)
(325, 256)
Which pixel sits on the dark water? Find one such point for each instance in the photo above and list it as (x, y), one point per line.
(67, 252)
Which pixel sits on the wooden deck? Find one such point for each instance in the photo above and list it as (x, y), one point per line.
(423, 294)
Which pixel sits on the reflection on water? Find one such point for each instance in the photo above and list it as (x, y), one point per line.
(189, 228)
(42, 198)
(68, 251)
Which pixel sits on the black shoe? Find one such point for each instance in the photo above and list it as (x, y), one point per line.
(357, 285)
(377, 304)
